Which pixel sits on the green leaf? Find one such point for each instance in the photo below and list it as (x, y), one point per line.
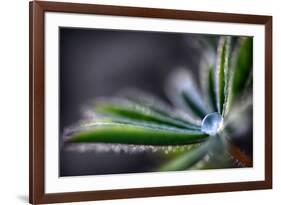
(136, 111)
(157, 105)
(221, 71)
(207, 66)
(240, 119)
(110, 132)
(184, 93)
(190, 158)
(220, 160)
(192, 104)
(142, 123)
(243, 65)
(241, 70)
(187, 159)
(211, 89)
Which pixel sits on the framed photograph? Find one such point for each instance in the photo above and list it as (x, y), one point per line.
(139, 102)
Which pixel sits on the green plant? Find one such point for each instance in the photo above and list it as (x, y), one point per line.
(204, 121)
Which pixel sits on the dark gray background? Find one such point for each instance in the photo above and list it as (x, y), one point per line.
(97, 63)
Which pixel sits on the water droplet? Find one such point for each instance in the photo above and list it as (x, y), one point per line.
(212, 123)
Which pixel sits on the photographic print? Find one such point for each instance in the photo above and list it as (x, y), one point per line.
(139, 101)
(132, 102)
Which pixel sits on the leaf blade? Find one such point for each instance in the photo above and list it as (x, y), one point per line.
(186, 160)
(157, 105)
(183, 92)
(138, 112)
(134, 134)
(191, 158)
(240, 75)
(211, 89)
(223, 53)
(206, 68)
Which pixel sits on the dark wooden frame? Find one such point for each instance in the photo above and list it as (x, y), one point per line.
(36, 106)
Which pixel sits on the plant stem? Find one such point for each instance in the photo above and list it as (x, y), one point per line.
(237, 154)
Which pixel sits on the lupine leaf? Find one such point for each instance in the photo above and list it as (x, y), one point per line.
(217, 161)
(184, 93)
(110, 132)
(142, 123)
(137, 112)
(207, 65)
(211, 89)
(221, 71)
(218, 156)
(243, 65)
(157, 105)
(187, 159)
(241, 69)
(239, 120)
(191, 103)
(191, 158)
